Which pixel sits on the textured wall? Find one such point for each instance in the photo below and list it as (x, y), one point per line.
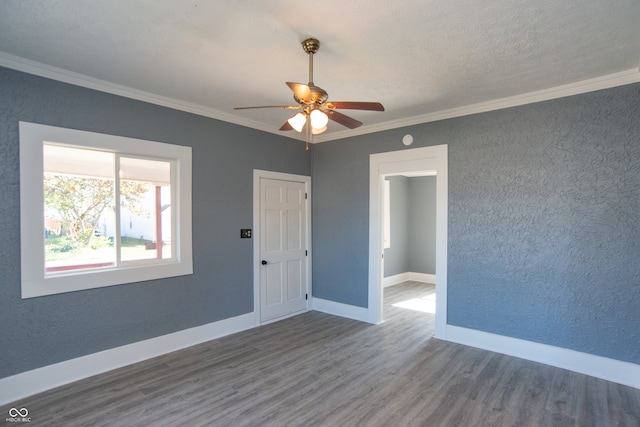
(422, 225)
(544, 231)
(544, 220)
(45, 330)
(545, 224)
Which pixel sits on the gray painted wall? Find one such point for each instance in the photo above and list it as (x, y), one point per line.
(422, 224)
(413, 222)
(544, 220)
(544, 226)
(396, 258)
(41, 331)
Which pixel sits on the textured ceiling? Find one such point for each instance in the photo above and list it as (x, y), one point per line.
(417, 57)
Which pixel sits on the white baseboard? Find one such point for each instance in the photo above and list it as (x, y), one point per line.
(340, 309)
(422, 277)
(395, 279)
(31, 382)
(409, 275)
(596, 366)
(277, 319)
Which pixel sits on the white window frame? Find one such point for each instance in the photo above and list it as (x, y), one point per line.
(34, 280)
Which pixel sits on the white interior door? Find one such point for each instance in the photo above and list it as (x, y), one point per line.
(283, 240)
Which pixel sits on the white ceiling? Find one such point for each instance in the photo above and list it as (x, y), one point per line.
(422, 59)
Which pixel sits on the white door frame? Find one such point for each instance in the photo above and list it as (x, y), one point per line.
(257, 175)
(426, 159)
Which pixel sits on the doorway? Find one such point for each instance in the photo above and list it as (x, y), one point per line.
(281, 245)
(408, 264)
(426, 160)
(409, 228)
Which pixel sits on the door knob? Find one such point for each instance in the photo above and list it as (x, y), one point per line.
(264, 262)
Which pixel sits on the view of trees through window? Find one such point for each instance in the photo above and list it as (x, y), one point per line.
(91, 222)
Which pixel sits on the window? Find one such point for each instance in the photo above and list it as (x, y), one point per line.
(100, 210)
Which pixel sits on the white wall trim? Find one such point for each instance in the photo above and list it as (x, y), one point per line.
(28, 383)
(584, 86)
(342, 310)
(422, 277)
(35, 381)
(34, 280)
(596, 366)
(395, 279)
(434, 160)
(43, 70)
(408, 276)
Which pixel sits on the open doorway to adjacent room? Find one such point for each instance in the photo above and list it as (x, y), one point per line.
(410, 163)
(409, 231)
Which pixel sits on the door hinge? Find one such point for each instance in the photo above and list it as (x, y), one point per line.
(306, 296)
(305, 196)
(306, 253)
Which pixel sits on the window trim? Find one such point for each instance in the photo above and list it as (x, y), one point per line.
(34, 281)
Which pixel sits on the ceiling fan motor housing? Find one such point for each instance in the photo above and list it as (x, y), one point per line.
(317, 97)
(311, 45)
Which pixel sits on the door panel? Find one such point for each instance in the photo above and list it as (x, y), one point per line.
(273, 231)
(283, 243)
(294, 230)
(273, 289)
(294, 280)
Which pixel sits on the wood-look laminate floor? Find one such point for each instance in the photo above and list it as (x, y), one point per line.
(320, 370)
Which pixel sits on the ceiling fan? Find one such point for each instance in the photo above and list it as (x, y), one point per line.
(312, 100)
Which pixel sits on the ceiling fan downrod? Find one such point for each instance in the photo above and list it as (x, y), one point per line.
(311, 46)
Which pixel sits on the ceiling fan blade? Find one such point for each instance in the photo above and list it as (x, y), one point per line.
(370, 106)
(342, 119)
(302, 92)
(286, 107)
(286, 126)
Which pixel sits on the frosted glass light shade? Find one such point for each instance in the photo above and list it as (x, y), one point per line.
(318, 119)
(297, 122)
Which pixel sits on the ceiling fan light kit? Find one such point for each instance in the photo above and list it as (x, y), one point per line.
(316, 111)
(298, 121)
(318, 119)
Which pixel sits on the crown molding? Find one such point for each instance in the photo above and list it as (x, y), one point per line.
(39, 69)
(584, 86)
(65, 76)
